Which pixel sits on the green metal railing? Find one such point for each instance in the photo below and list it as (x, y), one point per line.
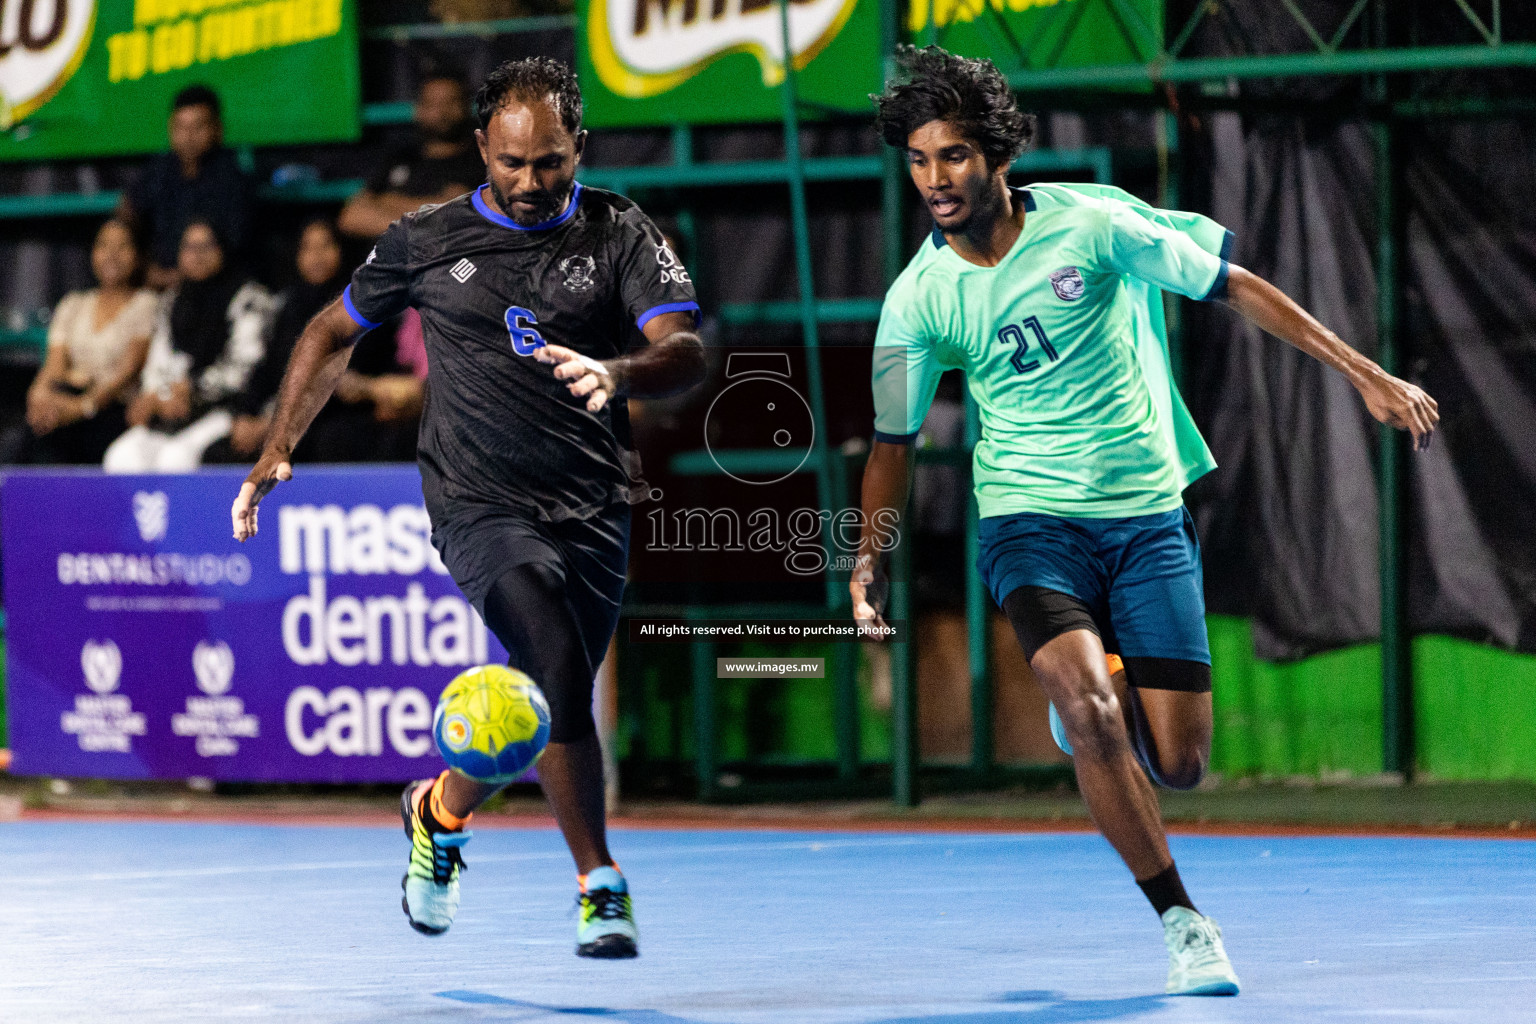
(1327, 54)
(478, 29)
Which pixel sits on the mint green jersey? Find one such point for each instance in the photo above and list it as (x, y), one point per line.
(1063, 348)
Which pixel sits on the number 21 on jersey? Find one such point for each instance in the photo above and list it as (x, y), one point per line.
(523, 326)
(1018, 335)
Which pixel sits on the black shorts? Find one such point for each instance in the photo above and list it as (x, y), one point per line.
(1039, 615)
(480, 543)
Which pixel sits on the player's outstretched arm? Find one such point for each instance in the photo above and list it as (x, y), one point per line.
(672, 362)
(318, 360)
(1392, 401)
(887, 481)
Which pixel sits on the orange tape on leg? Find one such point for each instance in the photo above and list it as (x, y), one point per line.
(444, 818)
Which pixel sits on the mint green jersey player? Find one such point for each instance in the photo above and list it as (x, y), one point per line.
(1063, 348)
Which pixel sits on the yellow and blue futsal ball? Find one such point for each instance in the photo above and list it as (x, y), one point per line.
(491, 724)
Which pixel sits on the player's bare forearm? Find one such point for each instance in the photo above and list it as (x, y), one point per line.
(319, 358)
(887, 481)
(1270, 309)
(666, 367)
(1389, 399)
(672, 362)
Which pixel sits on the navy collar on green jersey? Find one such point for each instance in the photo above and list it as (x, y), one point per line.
(939, 241)
(494, 217)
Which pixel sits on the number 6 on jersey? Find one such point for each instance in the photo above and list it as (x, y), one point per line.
(520, 324)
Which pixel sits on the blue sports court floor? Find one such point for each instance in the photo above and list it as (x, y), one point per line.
(218, 922)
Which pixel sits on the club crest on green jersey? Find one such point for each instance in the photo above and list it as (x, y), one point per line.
(1068, 284)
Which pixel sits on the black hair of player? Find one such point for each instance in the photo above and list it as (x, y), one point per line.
(199, 95)
(532, 78)
(972, 95)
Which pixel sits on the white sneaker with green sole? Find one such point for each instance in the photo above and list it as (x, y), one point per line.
(1197, 961)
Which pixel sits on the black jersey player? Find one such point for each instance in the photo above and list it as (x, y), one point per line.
(528, 289)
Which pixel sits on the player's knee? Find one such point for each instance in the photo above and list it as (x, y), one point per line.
(1092, 717)
(1181, 769)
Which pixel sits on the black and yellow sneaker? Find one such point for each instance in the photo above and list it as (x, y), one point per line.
(607, 927)
(431, 881)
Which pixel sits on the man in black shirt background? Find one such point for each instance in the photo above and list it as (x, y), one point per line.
(529, 289)
(442, 163)
(199, 179)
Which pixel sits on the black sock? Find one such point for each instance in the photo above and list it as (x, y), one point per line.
(1165, 889)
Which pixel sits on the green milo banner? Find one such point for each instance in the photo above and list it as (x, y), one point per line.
(649, 62)
(1036, 34)
(87, 78)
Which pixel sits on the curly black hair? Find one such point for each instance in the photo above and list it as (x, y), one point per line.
(532, 78)
(972, 95)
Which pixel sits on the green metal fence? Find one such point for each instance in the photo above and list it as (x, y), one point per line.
(1356, 46)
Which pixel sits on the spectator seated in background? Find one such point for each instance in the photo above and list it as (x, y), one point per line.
(374, 412)
(210, 333)
(443, 163)
(198, 179)
(320, 281)
(378, 400)
(97, 341)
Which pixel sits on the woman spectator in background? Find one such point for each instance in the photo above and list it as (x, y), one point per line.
(373, 414)
(320, 281)
(97, 341)
(210, 333)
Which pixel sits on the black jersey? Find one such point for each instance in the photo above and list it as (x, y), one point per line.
(497, 427)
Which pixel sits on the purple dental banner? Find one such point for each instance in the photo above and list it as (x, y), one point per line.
(142, 641)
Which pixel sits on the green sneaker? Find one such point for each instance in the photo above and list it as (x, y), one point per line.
(431, 881)
(1197, 961)
(607, 928)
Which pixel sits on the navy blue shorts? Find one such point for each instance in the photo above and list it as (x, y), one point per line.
(1139, 576)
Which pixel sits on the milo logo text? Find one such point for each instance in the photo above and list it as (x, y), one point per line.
(41, 45)
(644, 47)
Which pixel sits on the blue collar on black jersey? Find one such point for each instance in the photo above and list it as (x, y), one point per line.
(939, 241)
(507, 222)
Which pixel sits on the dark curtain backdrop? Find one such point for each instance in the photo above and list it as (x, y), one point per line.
(1290, 520)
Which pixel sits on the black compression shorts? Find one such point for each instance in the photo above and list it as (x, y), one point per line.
(1039, 615)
